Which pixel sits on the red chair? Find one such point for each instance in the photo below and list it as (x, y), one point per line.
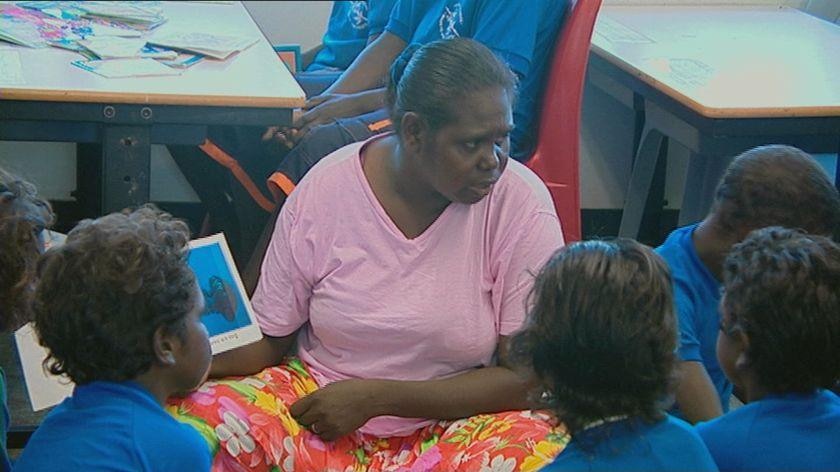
(558, 144)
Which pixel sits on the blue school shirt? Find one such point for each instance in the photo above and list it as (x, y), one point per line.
(696, 296)
(350, 25)
(782, 432)
(520, 32)
(113, 426)
(669, 444)
(4, 424)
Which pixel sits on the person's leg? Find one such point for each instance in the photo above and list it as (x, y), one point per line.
(314, 83)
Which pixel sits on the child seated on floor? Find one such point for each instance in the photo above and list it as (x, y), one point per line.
(765, 186)
(778, 342)
(118, 309)
(23, 217)
(601, 338)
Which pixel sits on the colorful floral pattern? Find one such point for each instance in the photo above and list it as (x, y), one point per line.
(247, 425)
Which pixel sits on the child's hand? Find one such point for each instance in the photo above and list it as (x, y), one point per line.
(335, 410)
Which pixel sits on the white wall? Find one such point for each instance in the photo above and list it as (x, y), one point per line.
(605, 160)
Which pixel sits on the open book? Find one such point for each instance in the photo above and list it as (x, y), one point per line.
(228, 317)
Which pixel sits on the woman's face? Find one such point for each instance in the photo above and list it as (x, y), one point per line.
(465, 157)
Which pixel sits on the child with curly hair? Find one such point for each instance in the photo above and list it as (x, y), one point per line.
(766, 186)
(778, 342)
(23, 217)
(601, 338)
(118, 308)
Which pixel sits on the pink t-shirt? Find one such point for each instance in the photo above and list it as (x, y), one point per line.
(376, 305)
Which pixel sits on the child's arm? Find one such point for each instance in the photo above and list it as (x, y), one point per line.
(697, 398)
(252, 358)
(369, 69)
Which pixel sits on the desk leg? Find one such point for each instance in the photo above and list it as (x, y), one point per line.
(644, 167)
(704, 173)
(126, 165)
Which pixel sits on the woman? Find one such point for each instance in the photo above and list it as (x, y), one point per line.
(400, 294)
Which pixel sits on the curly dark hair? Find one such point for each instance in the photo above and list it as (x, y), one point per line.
(103, 294)
(777, 186)
(23, 215)
(601, 334)
(782, 289)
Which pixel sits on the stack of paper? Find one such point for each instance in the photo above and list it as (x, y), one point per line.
(113, 48)
(119, 68)
(134, 14)
(213, 45)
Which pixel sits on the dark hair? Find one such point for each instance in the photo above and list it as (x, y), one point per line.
(777, 186)
(782, 288)
(431, 79)
(601, 334)
(23, 215)
(103, 294)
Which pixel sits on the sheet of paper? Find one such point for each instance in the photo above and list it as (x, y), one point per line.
(114, 48)
(214, 45)
(45, 390)
(11, 72)
(615, 32)
(121, 68)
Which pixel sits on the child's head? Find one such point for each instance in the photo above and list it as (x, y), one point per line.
(780, 313)
(776, 186)
(118, 300)
(23, 216)
(601, 334)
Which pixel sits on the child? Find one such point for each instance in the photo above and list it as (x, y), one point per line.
(765, 186)
(118, 309)
(23, 216)
(601, 339)
(778, 342)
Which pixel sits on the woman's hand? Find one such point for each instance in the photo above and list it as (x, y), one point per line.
(337, 409)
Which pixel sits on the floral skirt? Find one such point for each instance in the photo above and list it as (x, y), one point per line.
(247, 424)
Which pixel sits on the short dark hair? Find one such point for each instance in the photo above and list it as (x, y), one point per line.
(103, 294)
(602, 334)
(23, 215)
(431, 79)
(777, 186)
(782, 288)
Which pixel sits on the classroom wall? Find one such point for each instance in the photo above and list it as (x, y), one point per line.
(606, 133)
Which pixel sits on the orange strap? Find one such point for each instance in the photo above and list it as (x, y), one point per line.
(378, 125)
(279, 182)
(225, 159)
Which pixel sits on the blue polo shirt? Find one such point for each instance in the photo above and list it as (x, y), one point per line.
(116, 427)
(696, 296)
(669, 444)
(350, 25)
(520, 32)
(781, 432)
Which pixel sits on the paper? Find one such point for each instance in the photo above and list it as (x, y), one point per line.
(114, 48)
(228, 316)
(122, 68)
(11, 72)
(216, 46)
(45, 389)
(615, 32)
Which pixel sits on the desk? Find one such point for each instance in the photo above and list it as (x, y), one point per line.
(718, 80)
(52, 100)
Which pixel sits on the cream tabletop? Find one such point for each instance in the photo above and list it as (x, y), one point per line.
(728, 62)
(254, 77)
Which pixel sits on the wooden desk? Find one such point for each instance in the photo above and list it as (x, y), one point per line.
(52, 100)
(719, 80)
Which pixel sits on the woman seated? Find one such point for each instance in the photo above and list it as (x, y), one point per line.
(401, 294)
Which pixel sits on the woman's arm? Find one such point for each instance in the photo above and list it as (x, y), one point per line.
(252, 358)
(697, 398)
(342, 407)
(369, 69)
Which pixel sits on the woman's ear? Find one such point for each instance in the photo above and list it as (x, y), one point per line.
(413, 131)
(164, 345)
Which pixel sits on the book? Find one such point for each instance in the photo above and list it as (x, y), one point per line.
(130, 67)
(217, 46)
(228, 317)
